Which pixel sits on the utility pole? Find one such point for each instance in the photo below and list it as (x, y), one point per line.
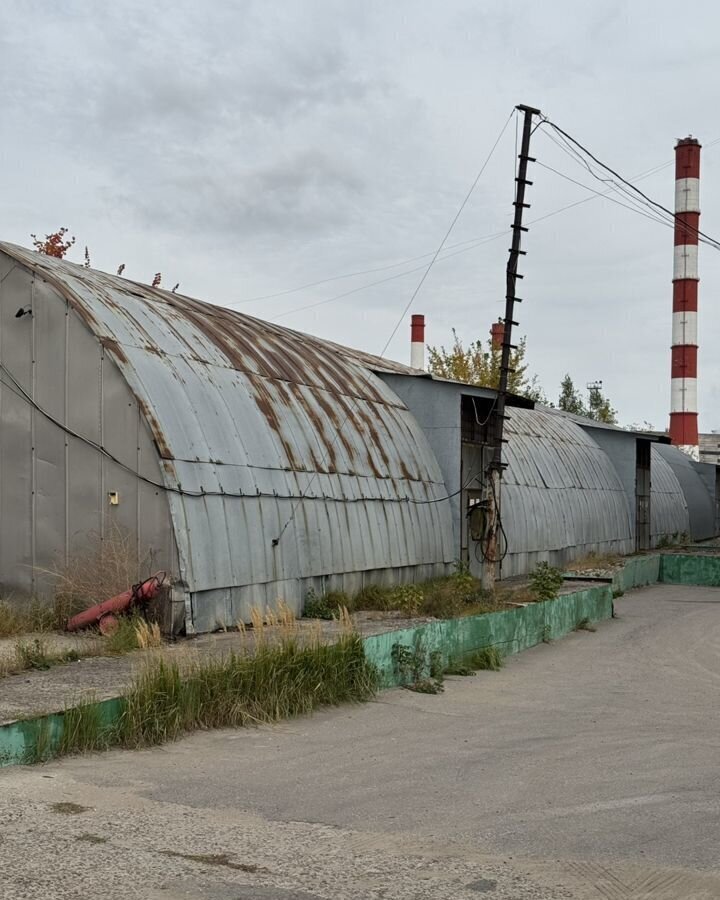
(496, 465)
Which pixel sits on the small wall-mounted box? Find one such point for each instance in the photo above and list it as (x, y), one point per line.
(113, 498)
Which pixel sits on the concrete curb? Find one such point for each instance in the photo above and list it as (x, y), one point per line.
(680, 568)
(511, 631)
(638, 572)
(28, 740)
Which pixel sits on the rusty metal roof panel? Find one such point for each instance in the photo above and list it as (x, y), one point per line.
(301, 429)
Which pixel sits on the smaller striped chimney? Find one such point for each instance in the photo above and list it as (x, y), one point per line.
(417, 341)
(497, 334)
(683, 395)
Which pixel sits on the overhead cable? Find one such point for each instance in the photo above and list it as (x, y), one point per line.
(410, 302)
(712, 241)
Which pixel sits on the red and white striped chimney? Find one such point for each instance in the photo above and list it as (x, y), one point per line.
(417, 341)
(683, 396)
(497, 334)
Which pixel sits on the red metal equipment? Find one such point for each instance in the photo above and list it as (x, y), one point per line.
(105, 614)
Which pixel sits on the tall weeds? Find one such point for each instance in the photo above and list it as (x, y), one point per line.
(278, 681)
(109, 564)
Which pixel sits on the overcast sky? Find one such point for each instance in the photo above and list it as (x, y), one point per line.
(248, 148)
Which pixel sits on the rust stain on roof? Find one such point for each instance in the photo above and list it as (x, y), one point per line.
(156, 430)
(113, 347)
(295, 380)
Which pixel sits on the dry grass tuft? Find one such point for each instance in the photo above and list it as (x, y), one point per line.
(27, 617)
(108, 565)
(278, 681)
(147, 635)
(592, 561)
(345, 620)
(285, 615)
(258, 624)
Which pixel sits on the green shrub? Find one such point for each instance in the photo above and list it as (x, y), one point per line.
(316, 606)
(462, 573)
(489, 658)
(445, 599)
(33, 655)
(36, 655)
(407, 598)
(336, 600)
(545, 581)
(372, 597)
(416, 669)
(124, 638)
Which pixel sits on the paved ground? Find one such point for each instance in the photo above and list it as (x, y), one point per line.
(588, 768)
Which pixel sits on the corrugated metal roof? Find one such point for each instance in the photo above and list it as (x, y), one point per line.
(668, 507)
(561, 495)
(585, 422)
(241, 406)
(698, 493)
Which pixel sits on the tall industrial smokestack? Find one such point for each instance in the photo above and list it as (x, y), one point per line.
(683, 396)
(417, 342)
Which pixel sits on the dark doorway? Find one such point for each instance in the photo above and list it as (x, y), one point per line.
(642, 494)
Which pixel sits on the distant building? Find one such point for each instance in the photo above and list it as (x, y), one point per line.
(710, 448)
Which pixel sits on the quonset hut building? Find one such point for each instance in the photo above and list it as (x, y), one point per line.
(256, 462)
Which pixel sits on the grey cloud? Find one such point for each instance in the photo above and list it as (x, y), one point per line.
(248, 147)
(302, 190)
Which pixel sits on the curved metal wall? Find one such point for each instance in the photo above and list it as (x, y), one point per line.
(700, 501)
(561, 496)
(332, 474)
(669, 517)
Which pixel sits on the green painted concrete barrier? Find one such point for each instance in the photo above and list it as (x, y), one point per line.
(510, 631)
(637, 572)
(678, 568)
(32, 740)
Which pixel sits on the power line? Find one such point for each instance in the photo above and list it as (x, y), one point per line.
(369, 271)
(633, 208)
(467, 245)
(364, 287)
(606, 196)
(447, 235)
(414, 294)
(629, 184)
(19, 391)
(638, 204)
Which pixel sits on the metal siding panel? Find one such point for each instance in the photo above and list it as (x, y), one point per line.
(84, 385)
(49, 494)
(561, 494)
(668, 507)
(16, 471)
(120, 437)
(697, 497)
(15, 493)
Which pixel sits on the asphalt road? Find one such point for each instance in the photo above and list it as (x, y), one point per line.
(587, 768)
